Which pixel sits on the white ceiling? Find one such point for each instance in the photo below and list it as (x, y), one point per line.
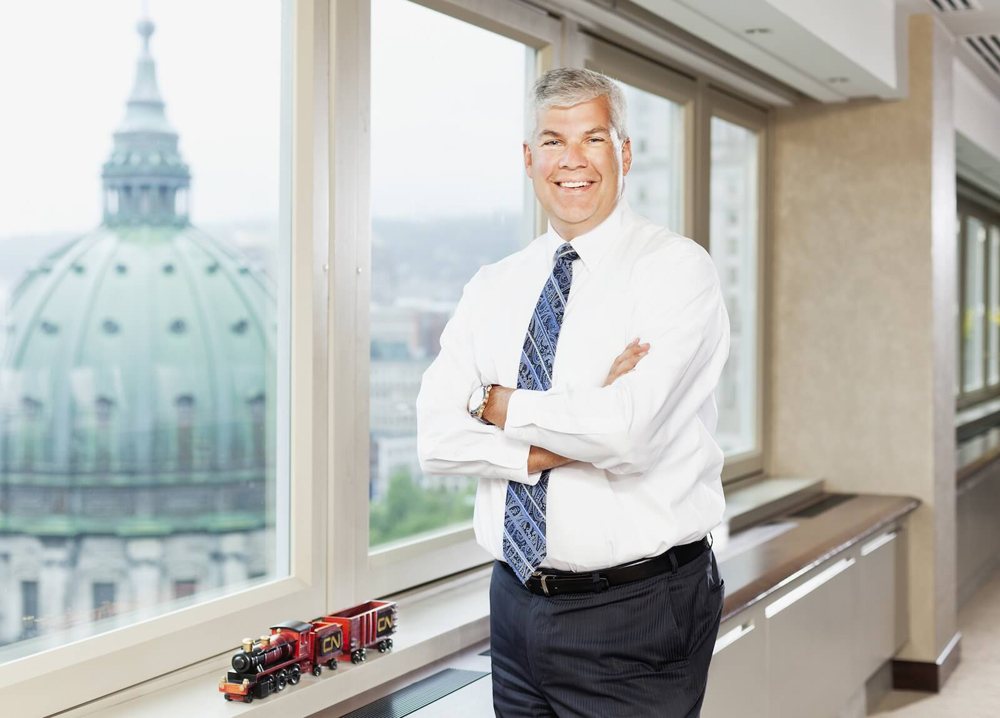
(830, 50)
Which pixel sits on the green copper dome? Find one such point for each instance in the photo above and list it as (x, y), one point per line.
(137, 375)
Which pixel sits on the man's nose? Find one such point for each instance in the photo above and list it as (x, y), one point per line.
(573, 157)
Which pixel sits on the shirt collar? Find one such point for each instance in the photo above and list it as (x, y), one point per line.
(592, 245)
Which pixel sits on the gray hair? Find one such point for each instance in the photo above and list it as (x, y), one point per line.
(568, 86)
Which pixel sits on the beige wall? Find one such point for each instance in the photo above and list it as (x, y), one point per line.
(862, 335)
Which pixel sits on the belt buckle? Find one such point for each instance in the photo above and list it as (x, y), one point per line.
(543, 577)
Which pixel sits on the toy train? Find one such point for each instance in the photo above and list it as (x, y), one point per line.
(267, 665)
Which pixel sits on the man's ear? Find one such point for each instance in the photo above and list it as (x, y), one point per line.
(527, 159)
(626, 156)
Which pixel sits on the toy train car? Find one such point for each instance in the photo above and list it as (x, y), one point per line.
(269, 664)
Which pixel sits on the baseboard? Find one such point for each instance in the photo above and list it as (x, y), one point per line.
(926, 676)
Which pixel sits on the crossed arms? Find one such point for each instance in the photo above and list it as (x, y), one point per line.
(623, 426)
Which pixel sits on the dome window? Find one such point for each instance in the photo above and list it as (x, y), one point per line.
(244, 269)
(110, 326)
(178, 326)
(31, 406)
(78, 268)
(168, 268)
(257, 404)
(45, 267)
(104, 405)
(212, 268)
(121, 269)
(184, 401)
(49, 327)
(240, 327)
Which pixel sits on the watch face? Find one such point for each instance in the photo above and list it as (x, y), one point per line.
(476, 399)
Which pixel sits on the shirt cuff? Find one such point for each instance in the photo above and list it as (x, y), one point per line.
(519, 407)
(514, 460)
(515, 431)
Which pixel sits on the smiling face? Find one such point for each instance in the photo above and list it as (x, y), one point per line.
(577, 164)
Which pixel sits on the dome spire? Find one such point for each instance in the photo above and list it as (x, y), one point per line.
(145, 180)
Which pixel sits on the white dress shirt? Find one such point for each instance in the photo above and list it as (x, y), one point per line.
(647, 474)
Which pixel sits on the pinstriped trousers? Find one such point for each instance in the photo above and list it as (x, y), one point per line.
(638, 650)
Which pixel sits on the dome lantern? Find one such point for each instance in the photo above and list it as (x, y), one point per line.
(146, 181)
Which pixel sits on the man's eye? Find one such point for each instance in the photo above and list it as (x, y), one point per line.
(550, 142)
(597, 139)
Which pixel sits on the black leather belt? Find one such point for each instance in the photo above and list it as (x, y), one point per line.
(549, 582)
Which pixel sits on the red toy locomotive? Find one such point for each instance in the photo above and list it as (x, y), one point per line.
(266, 666)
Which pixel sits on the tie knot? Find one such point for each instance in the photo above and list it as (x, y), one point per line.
(566, 253)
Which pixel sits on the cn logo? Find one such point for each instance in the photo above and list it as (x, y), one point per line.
(330, 643)
(384, 623)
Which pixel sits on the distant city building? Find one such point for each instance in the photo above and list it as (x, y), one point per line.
(136, 377)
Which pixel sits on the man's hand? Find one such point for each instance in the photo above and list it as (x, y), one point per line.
(496, 406)
(627, 360)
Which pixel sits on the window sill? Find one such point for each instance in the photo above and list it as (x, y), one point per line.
(974, 420)
(754, 503)
(436, 621)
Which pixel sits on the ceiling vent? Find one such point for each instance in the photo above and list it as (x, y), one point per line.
(988, 49)
(951, 6)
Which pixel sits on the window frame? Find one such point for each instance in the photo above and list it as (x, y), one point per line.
(633, 69)
(973, 204)
(726, 107)
(393, 568)
(95, 666)
(701, 102)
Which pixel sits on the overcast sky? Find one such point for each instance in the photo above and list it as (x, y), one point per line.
(446, 108)
(447, 115)
(66, 69)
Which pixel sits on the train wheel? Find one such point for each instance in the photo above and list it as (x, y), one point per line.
(381, 646)
(364, 655)
(227, 696)
(332, 664)
(356, 657)
(294, 675)
(388, 642)
(282, 679)
(248, 699)
(317, 670)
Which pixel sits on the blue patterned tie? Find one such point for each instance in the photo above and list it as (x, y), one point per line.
(524, 511)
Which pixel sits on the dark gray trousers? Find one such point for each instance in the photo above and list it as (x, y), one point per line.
(635, 650)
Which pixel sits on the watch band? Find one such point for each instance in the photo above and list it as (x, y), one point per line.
(478, 413)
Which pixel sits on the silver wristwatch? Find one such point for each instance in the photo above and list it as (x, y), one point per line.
(477, 402)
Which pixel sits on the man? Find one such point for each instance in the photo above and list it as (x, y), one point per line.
(599, 477)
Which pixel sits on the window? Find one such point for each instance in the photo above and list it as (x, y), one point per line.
(973, 328)
(434, 218)
(654, 186)
(977, 299)
(660, 115)
(714, 198)
(733, 241)
(145, 383)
